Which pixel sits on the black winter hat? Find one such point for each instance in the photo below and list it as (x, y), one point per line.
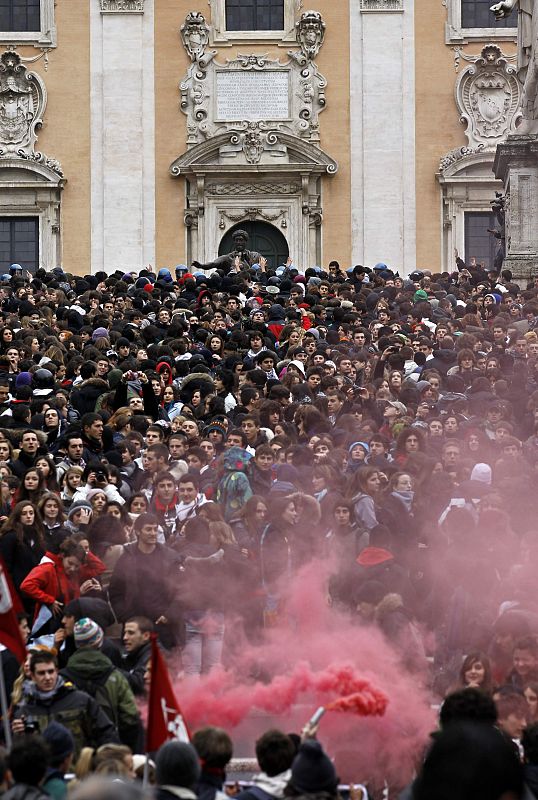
(312, 770)
(60, 741)
(177, 764)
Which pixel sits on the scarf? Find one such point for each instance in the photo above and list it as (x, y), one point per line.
(406, 498)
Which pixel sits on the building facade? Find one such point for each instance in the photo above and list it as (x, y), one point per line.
(136, 132)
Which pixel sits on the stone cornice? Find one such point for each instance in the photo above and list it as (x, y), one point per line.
(516, 150)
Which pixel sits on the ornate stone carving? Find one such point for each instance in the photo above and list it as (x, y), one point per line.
(487, 96)
(41, 158)
(382, 5)
(195, 35)
(457, 154)
(251, 213)
(122, 5)
(310, 34)
(287, 97)
(23, 98)
(252, 188)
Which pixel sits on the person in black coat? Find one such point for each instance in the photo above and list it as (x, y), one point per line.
(177, 771)
(145, 582)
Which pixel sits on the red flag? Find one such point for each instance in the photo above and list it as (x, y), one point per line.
(165, 720)
(10, 635)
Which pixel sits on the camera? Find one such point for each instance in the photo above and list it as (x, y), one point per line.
(101, 476)
(31, 725)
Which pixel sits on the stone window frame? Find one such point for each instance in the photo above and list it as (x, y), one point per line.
(46, 37)
(220, 36)
(455, 34)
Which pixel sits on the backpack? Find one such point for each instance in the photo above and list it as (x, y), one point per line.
(96, 689)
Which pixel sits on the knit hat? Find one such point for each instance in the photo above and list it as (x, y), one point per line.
(298, 365)
(482, 473)
(216, 425)
(93, 492)
(60, 741)
(356, 444)
(23, 379)
(77, 507)
(397, 405)
(420, 294)
(100, 333)
(88, 634)
(312, 770)
(177, 764)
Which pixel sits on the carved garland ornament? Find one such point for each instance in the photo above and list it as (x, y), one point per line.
(122, 5)
(382, 5)
(252, 188)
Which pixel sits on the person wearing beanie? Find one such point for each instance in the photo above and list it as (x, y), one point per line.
(61, 748)
(79, 516)
(100, 333)
(93, 672)
(312, 771)
(177, 771)
(101, 613)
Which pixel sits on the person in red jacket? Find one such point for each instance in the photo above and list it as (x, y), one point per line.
(60, 578)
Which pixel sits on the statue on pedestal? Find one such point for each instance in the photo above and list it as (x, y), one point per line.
(245, 258)
(527, 60)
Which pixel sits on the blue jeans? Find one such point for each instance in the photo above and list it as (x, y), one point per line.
(203, 641)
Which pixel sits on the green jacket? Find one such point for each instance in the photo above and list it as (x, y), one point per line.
(94, 673)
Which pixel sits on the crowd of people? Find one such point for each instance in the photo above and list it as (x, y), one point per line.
(176, 446)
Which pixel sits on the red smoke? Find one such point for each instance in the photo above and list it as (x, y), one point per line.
(321, 657)
(229, 704)
(367, 703)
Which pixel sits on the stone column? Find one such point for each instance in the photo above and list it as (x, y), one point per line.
(516, 164)
(122, 135)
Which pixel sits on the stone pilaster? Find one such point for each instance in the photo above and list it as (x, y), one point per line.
(516, 164)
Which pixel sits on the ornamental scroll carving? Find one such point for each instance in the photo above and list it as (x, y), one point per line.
(123, 5)
(487, 96)
(195, 35)
(310, 32)
(253, 97)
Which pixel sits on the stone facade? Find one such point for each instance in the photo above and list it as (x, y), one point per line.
(376, 156)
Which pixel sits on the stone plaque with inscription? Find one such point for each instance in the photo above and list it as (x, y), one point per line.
(253, 95)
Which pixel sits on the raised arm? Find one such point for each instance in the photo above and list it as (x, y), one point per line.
(504, 9)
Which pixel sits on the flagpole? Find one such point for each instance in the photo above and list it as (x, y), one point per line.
(145, 779)
(5, 711)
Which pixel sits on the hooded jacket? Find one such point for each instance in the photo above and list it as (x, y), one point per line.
(79, 712)
(92, 672)
(84, 398)
(48, 581)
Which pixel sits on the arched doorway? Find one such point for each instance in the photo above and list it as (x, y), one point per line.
(262, 238)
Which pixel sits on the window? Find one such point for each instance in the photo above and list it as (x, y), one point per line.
(20, 15)
(471, 20)
(245, 21)
(477, 14)
(254, 15)
(27, 22)
(478, 242)
(19, 242)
